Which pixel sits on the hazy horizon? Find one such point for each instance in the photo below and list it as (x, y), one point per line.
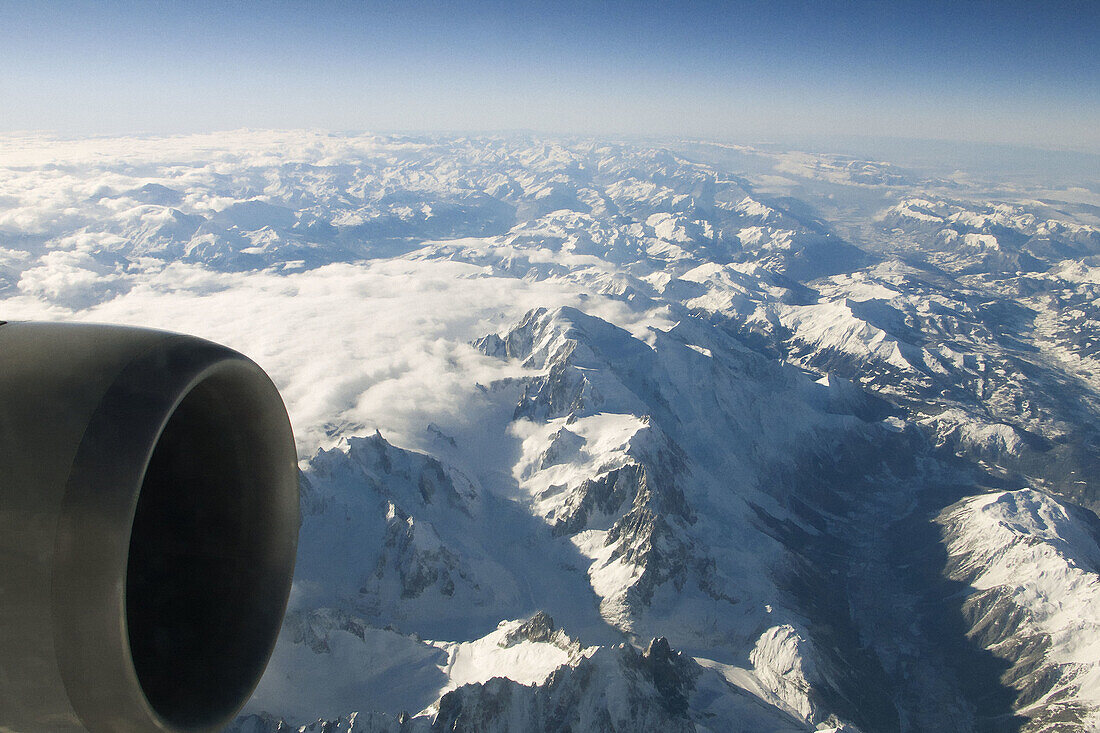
(1006, 73)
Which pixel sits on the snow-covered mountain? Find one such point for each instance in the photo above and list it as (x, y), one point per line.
(598, 435)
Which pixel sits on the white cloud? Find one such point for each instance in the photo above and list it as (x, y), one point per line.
(71, 279)
(383, 345)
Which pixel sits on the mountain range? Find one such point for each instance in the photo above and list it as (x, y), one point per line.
(620, 436)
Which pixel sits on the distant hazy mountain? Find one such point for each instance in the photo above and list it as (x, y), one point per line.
(598, 436)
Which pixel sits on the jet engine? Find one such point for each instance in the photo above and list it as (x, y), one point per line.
(148, 527)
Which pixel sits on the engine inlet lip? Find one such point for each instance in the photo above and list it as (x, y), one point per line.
(88, 587)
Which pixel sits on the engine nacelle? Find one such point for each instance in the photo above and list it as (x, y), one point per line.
(148, 528)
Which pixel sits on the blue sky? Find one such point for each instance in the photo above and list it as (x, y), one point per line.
(1013, 72)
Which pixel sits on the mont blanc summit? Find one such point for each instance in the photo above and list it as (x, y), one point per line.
(609, 436)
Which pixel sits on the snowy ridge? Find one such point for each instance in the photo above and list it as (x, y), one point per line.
(1026, 549)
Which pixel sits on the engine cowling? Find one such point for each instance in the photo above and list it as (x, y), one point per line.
(148, 528)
